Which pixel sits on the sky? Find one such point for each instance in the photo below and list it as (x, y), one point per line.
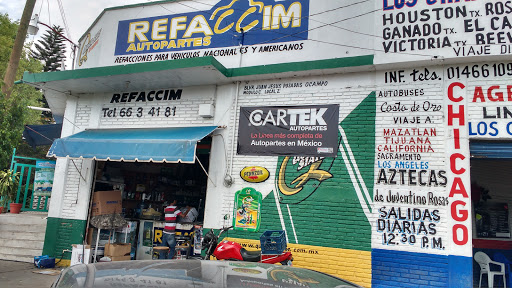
(79, 15)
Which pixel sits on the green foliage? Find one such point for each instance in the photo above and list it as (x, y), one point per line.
(15, 114)
(50, 50)
(11, 127)
(8, 186)
(24, 149)
(8, 31)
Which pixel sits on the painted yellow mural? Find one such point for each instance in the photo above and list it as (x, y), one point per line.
(351, 265)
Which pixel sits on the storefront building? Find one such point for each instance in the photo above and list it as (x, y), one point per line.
(406, 186)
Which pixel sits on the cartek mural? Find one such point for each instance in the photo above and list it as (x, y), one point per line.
(227, 23)
(346, 178)
(338, 188)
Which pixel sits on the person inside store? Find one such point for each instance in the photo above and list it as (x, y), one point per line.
(189, 214)
(169, 238)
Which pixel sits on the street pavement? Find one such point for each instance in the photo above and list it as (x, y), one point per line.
(19, 275)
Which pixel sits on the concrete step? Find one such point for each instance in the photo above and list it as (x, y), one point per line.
(22, 236)
(20, 251)
(23, 244)
(28, 259)
(23, 218)
(38, 236)
(28, 228)
(9, 252)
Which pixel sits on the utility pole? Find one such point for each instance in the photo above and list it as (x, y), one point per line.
(14, 61)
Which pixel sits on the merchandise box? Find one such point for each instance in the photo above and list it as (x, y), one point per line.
(118, 249)
(120, 258)
(78, 252)
(106, 202)
(131, 227)
(92, 235)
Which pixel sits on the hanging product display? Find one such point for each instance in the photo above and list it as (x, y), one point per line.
(247, 210)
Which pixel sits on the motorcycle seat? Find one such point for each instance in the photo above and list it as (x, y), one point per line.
(250, 256)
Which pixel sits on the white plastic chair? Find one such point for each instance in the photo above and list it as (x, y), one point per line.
(483, 260)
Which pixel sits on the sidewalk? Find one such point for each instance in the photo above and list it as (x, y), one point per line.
(19, 275)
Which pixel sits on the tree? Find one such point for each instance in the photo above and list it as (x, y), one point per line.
(15, 114)
(51, 49)
(51, 52)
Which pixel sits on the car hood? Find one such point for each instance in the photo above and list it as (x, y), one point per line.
(193, 273)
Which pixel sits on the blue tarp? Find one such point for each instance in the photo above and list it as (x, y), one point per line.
(173, 145)
(39, 135)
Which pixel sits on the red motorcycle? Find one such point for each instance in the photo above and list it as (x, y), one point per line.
(229, 250)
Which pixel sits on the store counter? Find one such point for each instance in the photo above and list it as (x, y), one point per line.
(151, 233)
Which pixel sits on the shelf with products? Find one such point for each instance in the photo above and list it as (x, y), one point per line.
(109, 182)
(104, 185)
(140, 200)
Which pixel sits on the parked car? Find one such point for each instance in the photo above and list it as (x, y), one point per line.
(193, 273)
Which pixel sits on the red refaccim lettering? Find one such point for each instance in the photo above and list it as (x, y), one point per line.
(458, 211)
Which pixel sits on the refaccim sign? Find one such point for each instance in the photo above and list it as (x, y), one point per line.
(227, 23)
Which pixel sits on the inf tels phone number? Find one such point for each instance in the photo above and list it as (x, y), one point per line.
(139, 112)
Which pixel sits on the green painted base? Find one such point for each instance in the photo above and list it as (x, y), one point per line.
(61, 234)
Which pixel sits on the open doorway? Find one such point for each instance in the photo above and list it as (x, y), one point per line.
(140, 191)
(491, 195)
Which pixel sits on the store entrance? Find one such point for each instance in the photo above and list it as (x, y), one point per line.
(144, 190)
(491, 195)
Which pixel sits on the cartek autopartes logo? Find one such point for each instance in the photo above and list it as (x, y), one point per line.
(296, 119)
(227, 23)
(289, 130)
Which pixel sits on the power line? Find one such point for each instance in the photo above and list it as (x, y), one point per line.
(26, 127)
(315, 28)
(304, 17)
(341, 7)
(68, 33)
(315, 14)
(163, 7)
(321, 26)
(286, 35)
(49, 18)
(290, 18)
(371, 49)
(41, 8)
(331, 24)
(352, 31)
(61, 8)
